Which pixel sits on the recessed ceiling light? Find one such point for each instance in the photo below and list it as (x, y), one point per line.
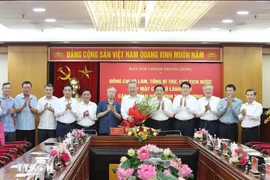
(58, 28)
(227, 21)
(204, 42)
(215, 29)
(242, 12)
(66, 42)
(50, 20)
(39, 9)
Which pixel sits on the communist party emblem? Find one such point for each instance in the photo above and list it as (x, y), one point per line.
(66, 74)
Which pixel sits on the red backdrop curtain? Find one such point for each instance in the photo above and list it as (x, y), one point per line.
(75, 68)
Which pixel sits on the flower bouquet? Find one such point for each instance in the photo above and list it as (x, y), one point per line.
(201, 134)
(61, 155)
(267, 113)
(140, 111)
(79, 135)
(238, 157)
(141, 133)
(152, 163)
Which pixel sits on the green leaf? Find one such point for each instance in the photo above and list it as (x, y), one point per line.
(190, 177)
(114, 170)
(126, 164)
(161, 176)
(132, 178)
(174, 171)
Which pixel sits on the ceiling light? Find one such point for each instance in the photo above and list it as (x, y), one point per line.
(66, 42)
(242, 12)
(227, 21)
(58, 28)
(215, 29)
(39, 9)
(50, 20)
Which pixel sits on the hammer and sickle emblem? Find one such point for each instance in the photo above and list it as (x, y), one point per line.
(66, 75)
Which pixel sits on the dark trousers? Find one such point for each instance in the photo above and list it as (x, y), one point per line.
(162, 125)
(211, 126)
(26, 135)
(44, 134)
(62, 129)
(250, 134)
(86, 128)
(228, 131)
(186, 127)
(9, 136)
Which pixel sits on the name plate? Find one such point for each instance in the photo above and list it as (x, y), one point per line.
(117, 131)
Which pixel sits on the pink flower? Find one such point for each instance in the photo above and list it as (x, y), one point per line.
(167, 151)
(239, 151)
(65, 157)
(174, 164)
(124, 174)
(166, 172)
(143, 153)
(146, 171)
(53, 152)
(243, 161)
(234, 159)
(244, 154)
(179, 161)
(184, 171)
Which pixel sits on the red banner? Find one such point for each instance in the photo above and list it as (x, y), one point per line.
(170, 75)
(118, 54)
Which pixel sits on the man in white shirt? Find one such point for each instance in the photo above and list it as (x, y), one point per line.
(251, 117)
(128, 101)
(87, 111)
(66, 112)
(47, 120)
(208, 110)
(160, 118)
(185, 107)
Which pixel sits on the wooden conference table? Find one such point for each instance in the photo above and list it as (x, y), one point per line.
(210, 165)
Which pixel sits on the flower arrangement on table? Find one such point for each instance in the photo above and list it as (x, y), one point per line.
(61, 154)
(152, 163)
(140, 111)
(267, 113)
(238, 157)
(79, 134)
(201, 134)
(141, 133)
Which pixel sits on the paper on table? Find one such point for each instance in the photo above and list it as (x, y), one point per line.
(38, 153)
(42, 158)
(21, 175)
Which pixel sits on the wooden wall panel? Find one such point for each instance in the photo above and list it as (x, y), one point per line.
(28, 63)
(242, 66)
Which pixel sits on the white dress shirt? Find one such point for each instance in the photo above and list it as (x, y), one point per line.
(66, 116)
(185, 113)
(208, 115)
(47, 120)
(162, 115)
(87, 120)
(128, 102)
(253, 115)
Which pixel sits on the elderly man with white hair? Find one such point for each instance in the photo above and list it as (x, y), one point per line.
(208, 110)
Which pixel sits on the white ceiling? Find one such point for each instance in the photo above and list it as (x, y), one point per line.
(74, 18)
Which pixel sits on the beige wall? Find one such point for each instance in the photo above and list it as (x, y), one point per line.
(266, 78)
(242, 66)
